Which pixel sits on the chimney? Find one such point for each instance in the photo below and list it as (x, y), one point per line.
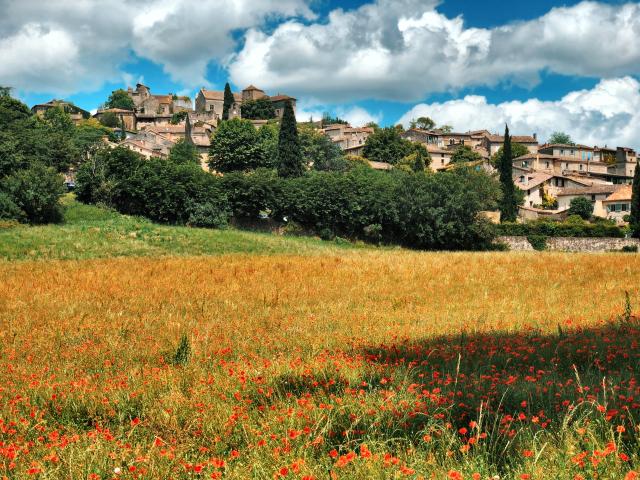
(535, 137)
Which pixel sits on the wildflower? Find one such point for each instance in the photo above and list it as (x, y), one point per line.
(620, 429)
(333, 453)
(527, 453)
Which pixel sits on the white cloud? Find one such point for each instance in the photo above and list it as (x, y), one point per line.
(608, 114)
(358, 116)
(63, 47)
(405, 49)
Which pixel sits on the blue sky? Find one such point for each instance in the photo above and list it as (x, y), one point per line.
(541, 65)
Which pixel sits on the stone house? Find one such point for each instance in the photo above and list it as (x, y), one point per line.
(492, 143)
(129, 117)
(349, 139)
(597, 194)
(77, 114)
(211, 102)
(618, 204)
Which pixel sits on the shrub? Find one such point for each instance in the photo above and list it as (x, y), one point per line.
(630, 249)
(538, 242)
(561, 229)
(582, 207)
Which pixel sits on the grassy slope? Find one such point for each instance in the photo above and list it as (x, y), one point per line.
(93, 232)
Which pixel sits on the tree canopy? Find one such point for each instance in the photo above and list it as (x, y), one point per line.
(236, 146)
(465, 153)
(509, 201)
(560, 138)
(229, 100)
(581, 206)
(120, 99)
(290, 160)
(517, 150)
(423, 123)
(386, 145)
(260, 109)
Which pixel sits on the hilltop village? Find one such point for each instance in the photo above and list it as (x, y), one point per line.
(549, 175)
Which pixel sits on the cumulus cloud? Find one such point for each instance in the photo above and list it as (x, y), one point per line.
(405, 49)
(358, 116)
(63, 47)
(608, 114)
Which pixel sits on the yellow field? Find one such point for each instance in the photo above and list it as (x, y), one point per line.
(296, 362)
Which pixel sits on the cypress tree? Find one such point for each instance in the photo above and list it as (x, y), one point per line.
(634, 217)
(123, 130)
(229, 100)
(290, 163)
(509, 203)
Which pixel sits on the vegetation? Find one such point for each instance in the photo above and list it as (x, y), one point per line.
(582, 207)
(237, 146)
(328, 119)
(423, 123)
(386, 145)
(562, 229)
(260, 109)
(109, 119)
(229, 100)
(510, 200)
(184, 152)
(120, 99)
(320, 152)
(560, 138)
(465, 153)
(517, 150)
(200, 367)
(290, 160)
(178, 117)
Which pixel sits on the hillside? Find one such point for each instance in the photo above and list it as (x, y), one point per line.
(93, 232)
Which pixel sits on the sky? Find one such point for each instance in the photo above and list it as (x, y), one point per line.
(539, 65)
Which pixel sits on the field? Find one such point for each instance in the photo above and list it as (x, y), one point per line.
(291, 358)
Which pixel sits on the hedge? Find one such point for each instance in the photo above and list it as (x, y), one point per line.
(560, 229)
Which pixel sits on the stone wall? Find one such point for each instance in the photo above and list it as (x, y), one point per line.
(572, 244)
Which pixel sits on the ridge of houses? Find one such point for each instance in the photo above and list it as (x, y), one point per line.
(549, 175)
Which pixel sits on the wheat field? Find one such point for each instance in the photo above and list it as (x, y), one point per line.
(354, 364)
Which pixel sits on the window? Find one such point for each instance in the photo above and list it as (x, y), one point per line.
(547, 165)
(561, 152)
(625, 207)
(593, 198)
(580, 167)
(521, 178)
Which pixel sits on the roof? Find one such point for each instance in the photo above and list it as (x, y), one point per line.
(623, 193)
(218, 95)
(279, 98)
(163, 98)
(436, 149)
(514, 138)
(354, 147)
(114, 110)
(592, 190)
(566, 145)
(252, 88)
(534, 179)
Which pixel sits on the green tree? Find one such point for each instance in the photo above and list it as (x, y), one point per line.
(423, 123)
(560, 138)
(465, 153)
(634, 217)
(59, 120)
(581, 206)
(328, 119)
(446, 129)
(509, 202)
(5, 91)
(36, 191)
(178, 117)
(120, 99)
(260, 109)
(386, 145)
(417, 161)
(320, 152)
(229, 100)
(184, 152)
(290, 161)
(89, 136)
(109, 119)
(235, 146)
(517, 150)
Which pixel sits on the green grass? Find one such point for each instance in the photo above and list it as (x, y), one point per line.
(93, 232)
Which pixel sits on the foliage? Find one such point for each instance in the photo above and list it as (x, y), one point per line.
(327, 119)
(260, 109)
(465, 153)
(120, 99)
(253, 193)
(319, 151)
(561, 229)
(109, 119)
(634, 215)
(178, 117)
(423, 123)
(418, 161)
(183, 352)
(581, 206)
(290, 159)
(517, 150)
(229, 100)
(184, 152)
(549, 202)
(236, 146)
(386, 145)
(510, 201)
(560, 138)
(538, 242)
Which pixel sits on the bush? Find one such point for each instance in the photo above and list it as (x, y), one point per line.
(630, 249)
(581, 206)
(538, 242)
(561, 229)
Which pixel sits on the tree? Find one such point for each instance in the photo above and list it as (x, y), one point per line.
(423, 123)
(386, 145)
(290, 161)
(320, 152)
(229, 100)
(328, 119)
(517, 150)
(184, 152)
(120, 99)
(5, 91)
(235, 146)
(465, 153)
(560, 138)
(634, 217)
(582, 207)
(178, 117)
(88, 137)
(446, 129)
(509, 202)
(260, 109)
(417, 161)
(109, 119)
